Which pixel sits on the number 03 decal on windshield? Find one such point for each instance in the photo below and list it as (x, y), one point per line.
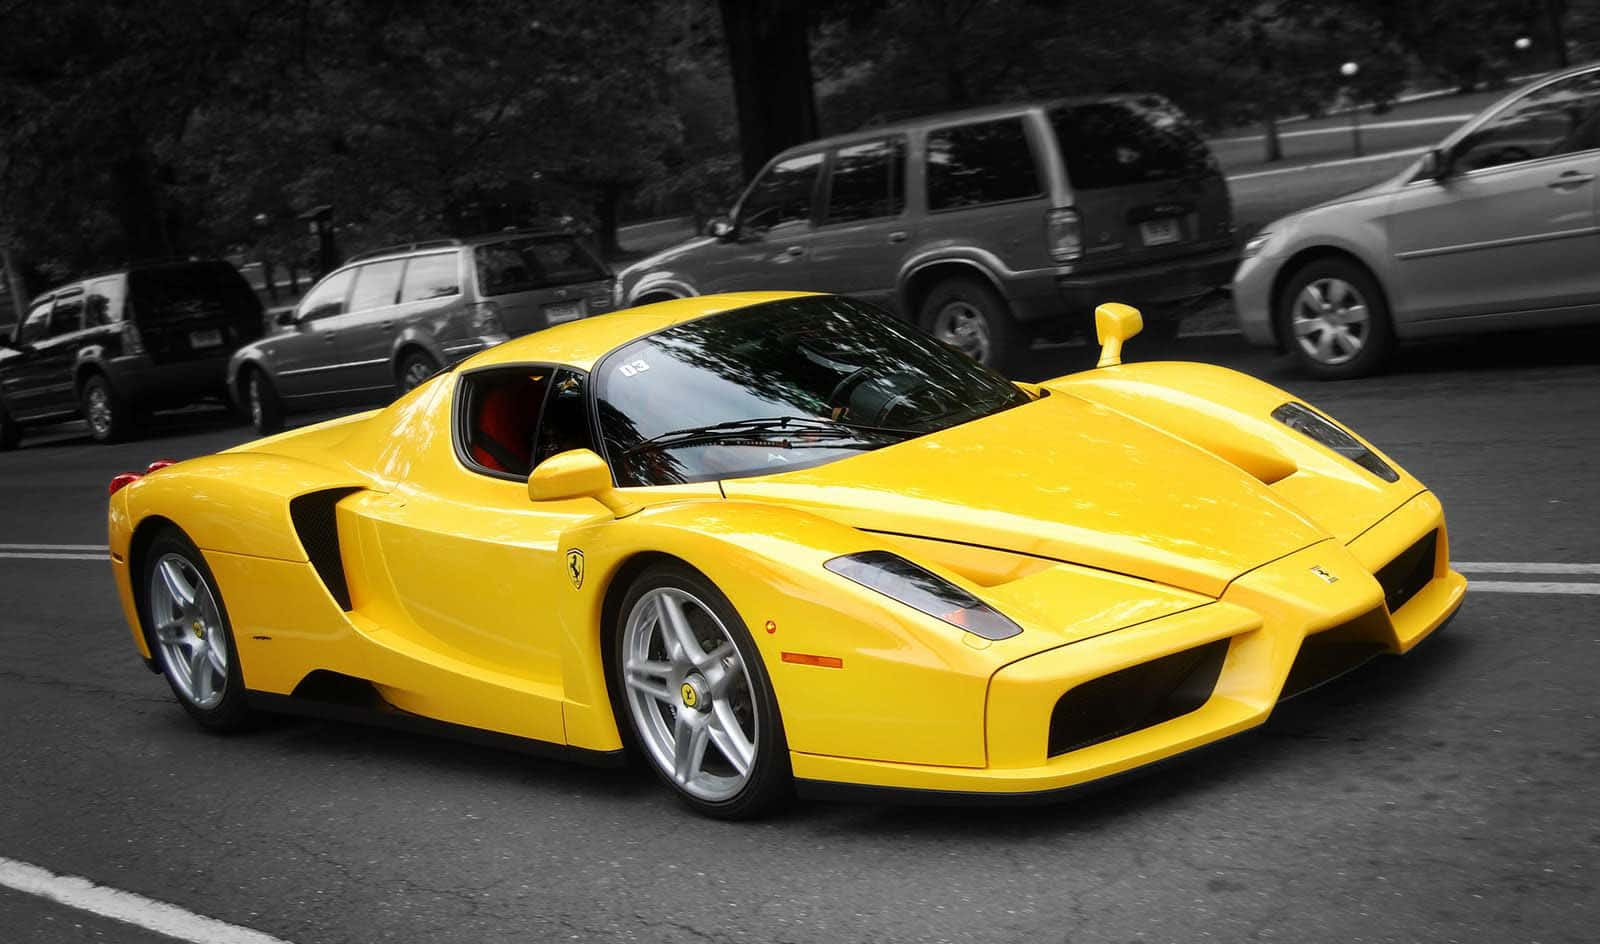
(633, 367)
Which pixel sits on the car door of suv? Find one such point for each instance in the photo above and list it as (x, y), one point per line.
(1512, 227)
(773, 236)
(864, 233)
(54, 356)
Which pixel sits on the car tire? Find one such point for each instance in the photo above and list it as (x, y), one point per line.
(968, 315)
(190, 637)
(694, 716)
(109, 415)
(10, 431)
(262, 405)
(414, 368)
(1334, 319)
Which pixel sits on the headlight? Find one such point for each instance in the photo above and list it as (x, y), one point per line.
(1256, 243)
(1308, 422)
(899, 579)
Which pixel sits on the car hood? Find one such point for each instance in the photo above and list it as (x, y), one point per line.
(1064, 479)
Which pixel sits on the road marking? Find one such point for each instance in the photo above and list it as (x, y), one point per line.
(1523, 567)
(54, 547)
(1345, 128)
(1533, 586)
(127, 907)
(1320, 165)
(103, 555)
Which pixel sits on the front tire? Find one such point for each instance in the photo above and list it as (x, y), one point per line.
(1335, 320)
(970, 316)
(10, 431)
(262, 403)
(187, 626)
(699, 705)
(109, 415)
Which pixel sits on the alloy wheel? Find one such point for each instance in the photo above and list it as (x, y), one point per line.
(962, 326)
(1331, 321)
(689, 694)
(99, 410)
(417, 371)
(190, 637)
(256, 409)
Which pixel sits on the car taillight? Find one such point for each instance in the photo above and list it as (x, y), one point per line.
(132, 341)
(485, 318)
(121, 481)
(1064, 234)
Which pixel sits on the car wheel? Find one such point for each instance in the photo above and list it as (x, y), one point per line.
(1336, 320)
(187, 626)
(262, 402)
(10, 431)
(415, 368)
(971, 317)
(110, 416)
(696, 696)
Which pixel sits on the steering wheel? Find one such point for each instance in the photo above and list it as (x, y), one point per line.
(839, 396)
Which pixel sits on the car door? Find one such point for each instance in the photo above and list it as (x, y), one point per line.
(864, 233)
(308, 359)
(773, 235)
(28, 378)
(370, 327)
(1512, 226)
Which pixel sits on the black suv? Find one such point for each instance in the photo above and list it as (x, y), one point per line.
(114, 347)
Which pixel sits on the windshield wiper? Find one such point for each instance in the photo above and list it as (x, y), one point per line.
(765, 430)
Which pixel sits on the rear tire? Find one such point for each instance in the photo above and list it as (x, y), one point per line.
(969, 315)
(415, 368)
(10, 431)
(1334, 319)
(262, 404)
(109, 415)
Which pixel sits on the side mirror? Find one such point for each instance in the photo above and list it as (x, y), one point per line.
(285, 319)
(1115, 323)
(722, 228)
(1435, 165)
(576, 473)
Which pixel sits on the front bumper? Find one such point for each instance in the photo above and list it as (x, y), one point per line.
(1252, 300)
(1155, 286)
(1285, 628)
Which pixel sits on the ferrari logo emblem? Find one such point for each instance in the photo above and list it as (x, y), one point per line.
(575, 568)
(1320, 572)
(689, 695)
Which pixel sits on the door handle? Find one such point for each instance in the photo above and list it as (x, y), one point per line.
(898, 236)
(795, 251)
(1569, 180)
(388, 326)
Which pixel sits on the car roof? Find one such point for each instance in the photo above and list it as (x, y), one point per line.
(581, 343)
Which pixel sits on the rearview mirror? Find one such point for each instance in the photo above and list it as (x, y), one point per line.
(1115, 323)
(576, 473)
(721, 227)
(286, 319)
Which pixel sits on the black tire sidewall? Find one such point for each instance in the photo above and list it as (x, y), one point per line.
(1003, 336)
(771, 781)
(10, 430)
(122, 424)
(412, 357)
(1379, 345)
(271, 404)
(232, 712)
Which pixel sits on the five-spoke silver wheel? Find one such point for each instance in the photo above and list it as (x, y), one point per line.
(964, 327)
(191, 639)
(97, 410)
(688, 693)
(1331, 320)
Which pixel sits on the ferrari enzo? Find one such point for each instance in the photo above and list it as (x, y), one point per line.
(780, 542)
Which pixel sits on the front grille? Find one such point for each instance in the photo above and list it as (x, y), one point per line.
(1136, 697)
(1404, 576)
(1327, 655)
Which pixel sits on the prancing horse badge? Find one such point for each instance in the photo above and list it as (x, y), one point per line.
(575, 568)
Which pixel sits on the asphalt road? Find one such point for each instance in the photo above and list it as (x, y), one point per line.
(1453, 795)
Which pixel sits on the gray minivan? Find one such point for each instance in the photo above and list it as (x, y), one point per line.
(387, 320)
(987, 227)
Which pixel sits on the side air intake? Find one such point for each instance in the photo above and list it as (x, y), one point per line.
(316, 524)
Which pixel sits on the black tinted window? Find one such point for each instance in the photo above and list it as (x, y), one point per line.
(377, 284)
(866, 182)
(37, 325)
(67, 316)
(987, 162)
(434, 276)
(565, 424)
(1559, 118)
(1113, 144)
(522, 265)
(782, 194)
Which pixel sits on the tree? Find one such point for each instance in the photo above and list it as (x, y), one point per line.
(769, 57)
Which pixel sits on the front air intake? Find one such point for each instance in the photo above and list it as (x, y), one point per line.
(1136, 697)
(1406, 575)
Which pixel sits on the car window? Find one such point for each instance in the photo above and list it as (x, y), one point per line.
(431, 276)
(565, 423)
(1132, 141)
(103, 306)
(1558, 118)
(327, 299)
(377, 284)
(67, 316)
(532, 262)
(37, 325)
(781, 195)
(866, 182)
(987, 162)
(498, 417)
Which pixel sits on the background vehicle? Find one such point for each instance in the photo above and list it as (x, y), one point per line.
(1495, 228)
(386, 320)
(117, 345)
(984, 227)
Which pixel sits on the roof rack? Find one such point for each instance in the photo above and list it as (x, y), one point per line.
(405, 247)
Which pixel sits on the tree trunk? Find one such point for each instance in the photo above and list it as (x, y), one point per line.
(1269, 125)
(1555, 14)
(15, 289)
(769, 55)
(136, 198)
(608, 200)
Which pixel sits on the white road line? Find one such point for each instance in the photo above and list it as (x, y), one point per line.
(54, 547)
(102, 556)
(1320, 165)
(1532, 586)
(1345, 128)
(127, 907)
(1523, 567)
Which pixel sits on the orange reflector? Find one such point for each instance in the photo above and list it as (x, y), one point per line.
(805, 658)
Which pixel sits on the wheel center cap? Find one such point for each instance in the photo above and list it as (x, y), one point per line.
(694, 695)
(199, 629)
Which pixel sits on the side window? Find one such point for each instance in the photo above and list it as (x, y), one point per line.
(67, 316)
(377, 284)
(988, 162)
(327, 299)
(498, 418)
(781, 195)
(866, 182)
(37, 326)
(103, 306)
(431, 276)
(1557, 119)
(566, 418)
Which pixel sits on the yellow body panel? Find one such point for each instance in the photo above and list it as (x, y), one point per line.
(1128, 513)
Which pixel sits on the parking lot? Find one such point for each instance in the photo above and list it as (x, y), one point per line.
(1448, 796)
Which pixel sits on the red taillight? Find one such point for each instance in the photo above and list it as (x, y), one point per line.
(1063, 234)
(160, 464)
(126, 478)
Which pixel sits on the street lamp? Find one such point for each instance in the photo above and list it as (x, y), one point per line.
(1523, 44)
(1349, 70)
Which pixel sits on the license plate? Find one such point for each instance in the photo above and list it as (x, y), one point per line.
(211, 337)
(563, 311)
(1159, 232)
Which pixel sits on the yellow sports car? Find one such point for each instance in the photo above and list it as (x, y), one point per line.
(770, 541)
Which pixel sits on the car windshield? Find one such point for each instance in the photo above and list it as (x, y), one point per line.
(779, 386)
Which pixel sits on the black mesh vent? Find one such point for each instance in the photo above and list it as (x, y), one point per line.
(1402, 577)
(1327, 655)
(316, 525)
(1136, 697)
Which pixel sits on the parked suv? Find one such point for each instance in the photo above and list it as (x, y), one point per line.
(387, 320)
(114, 347)
(985, 226)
